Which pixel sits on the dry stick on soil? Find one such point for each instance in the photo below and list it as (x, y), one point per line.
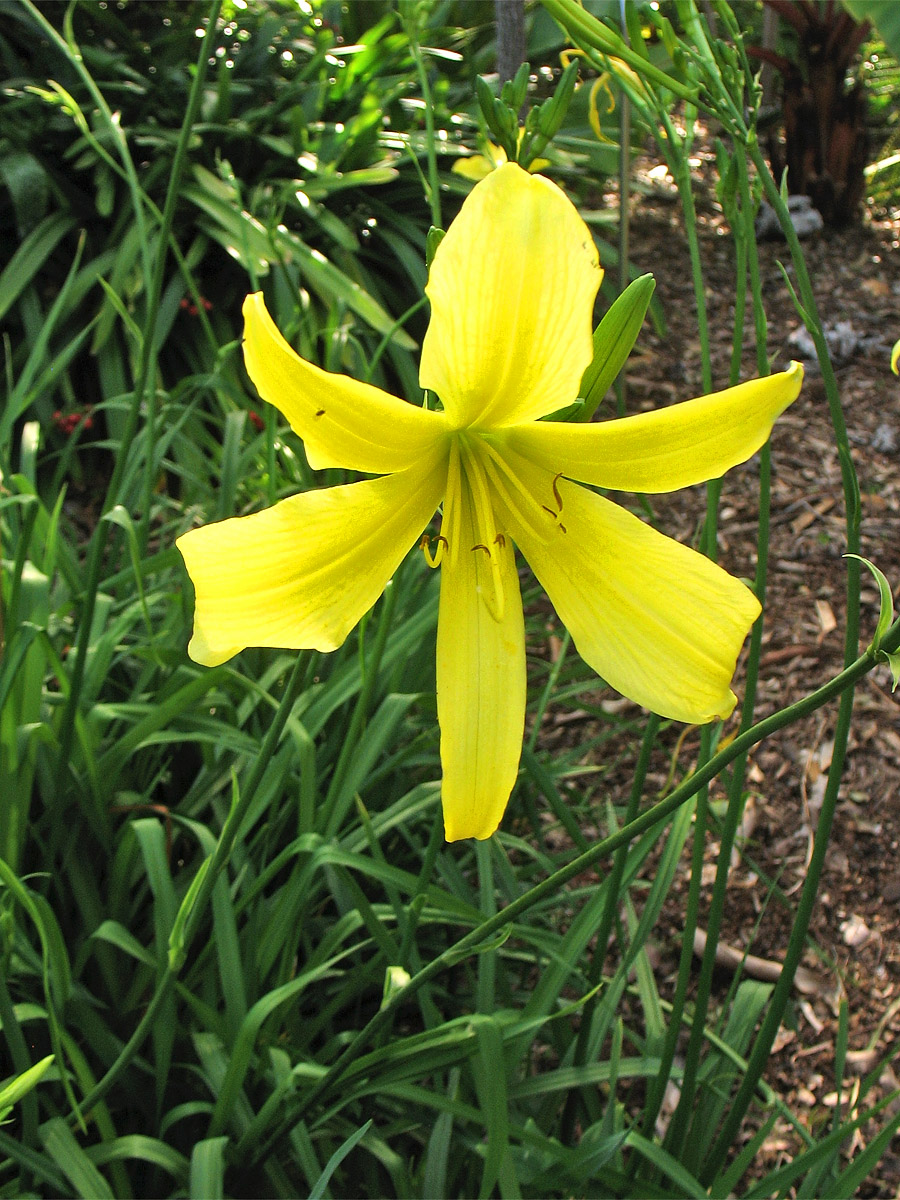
(766, 969)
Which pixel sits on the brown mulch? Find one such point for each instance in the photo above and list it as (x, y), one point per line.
(854, 953)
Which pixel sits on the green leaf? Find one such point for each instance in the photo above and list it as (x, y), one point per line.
(435, 1172)
(28, 259)
(207, 1177)
(336, 1159)
(489, 1069)
(884, 15)
(614, 338)
(117, 935)
(59, 1142)
(177, 937)
(668, 1165)
(23, 1084)
(28, 184)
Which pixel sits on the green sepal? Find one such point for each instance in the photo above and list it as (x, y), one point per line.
(432, 241)
(885, 619)
(614, 339)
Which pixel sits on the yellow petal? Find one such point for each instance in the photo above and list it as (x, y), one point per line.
(343, 422)
(480, 681)
(659, 622)
(512, 292)
(666, 449)
(301, 574)
(474, 168)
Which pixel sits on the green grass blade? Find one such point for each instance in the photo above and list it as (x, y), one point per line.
(207, 1170)
(30, 256)
(64, 1150)
(318, 1190)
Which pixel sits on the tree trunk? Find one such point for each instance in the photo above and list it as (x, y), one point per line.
(510, 37)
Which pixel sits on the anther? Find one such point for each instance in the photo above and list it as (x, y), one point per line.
(479, 546)
(433, 560)
(556, 496)
(549, 510)
(500, 541)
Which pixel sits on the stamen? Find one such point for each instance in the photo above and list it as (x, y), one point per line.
(452, 502)
(493, 465)
(556, 496)
(494, 597)
(484, 523)
(433, 560)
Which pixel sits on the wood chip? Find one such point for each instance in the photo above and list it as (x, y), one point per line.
(811, 514)
(827, 620)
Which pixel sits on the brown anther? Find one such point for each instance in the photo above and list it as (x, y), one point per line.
(556, 496)
(563, 528)
(320, 412)
(500, 540)
(433, 560)
(484, 548)
(550, 511)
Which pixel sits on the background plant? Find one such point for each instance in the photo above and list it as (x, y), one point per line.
(228, 917)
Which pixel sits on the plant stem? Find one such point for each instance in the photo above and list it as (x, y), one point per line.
(434, 187)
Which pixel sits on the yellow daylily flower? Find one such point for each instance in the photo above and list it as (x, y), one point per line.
(512, 289)
(477, 166)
